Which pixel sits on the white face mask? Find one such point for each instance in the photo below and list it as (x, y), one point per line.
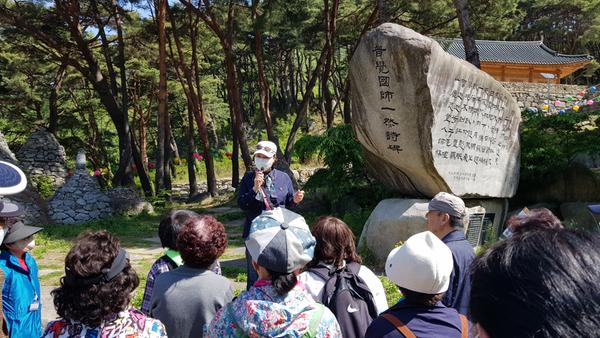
(26, 246)
(263, 163)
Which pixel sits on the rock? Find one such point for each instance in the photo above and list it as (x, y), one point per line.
(392, 221)
(430, 122)
(127, 201)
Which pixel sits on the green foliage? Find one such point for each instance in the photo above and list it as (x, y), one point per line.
(345, 174)
(307, 147)
(44, 186)
(548, 143)
(392, 293)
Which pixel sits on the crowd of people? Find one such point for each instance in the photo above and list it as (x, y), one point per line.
(540, 280)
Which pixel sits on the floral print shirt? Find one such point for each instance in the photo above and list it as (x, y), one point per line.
(126, 324)
(261, 312)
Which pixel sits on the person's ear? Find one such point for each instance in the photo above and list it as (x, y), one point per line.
(479, 331)
(255, 265)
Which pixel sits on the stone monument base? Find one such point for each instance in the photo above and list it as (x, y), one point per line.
(394, 220)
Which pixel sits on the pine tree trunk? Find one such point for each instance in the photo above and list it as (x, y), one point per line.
(467, 33)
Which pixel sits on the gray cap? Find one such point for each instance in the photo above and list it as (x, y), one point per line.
(280, 241)
(447, 203)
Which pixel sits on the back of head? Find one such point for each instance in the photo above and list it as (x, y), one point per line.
(280, 241)
(535, 219)
(540, 283)
(85, 294)
(201, 241)
(423, 265)
(335, 242)
(169, 227)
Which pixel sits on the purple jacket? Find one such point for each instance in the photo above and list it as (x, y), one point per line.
(438, 321)
(281, 195)
(459, 289)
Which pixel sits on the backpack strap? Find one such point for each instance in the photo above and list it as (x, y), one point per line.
(315, 321)
(400, 326)
(464, 326)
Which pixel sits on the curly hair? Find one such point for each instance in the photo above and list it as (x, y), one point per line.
(92, 254)
(539, 218)
(335, 242)
(169, 227)
(201, 241)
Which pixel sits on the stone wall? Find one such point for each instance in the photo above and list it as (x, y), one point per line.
(42, 155)
(80, 200)
(536, 94)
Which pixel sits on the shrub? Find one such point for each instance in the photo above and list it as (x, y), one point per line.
(44, 185)
(548, 143)
(345, 175)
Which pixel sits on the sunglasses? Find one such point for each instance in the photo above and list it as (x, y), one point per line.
(265, 148)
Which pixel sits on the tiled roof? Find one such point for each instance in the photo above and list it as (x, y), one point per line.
(526, 52)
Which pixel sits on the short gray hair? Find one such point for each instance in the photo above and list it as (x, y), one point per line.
(456, 222)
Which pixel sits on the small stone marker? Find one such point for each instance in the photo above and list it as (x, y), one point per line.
(430, 122)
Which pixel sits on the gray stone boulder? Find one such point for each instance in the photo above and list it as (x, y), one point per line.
(393, 220)
(430, 122)
(128, 201)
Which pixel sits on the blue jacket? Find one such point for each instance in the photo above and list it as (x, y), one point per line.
(459, 289)
(21, 290)
(438, 321)
(282, 195)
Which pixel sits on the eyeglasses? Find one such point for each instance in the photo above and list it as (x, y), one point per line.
(265, 148)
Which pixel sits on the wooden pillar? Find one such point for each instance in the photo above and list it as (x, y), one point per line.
(503, 72)
(530, 74)
(558, 73)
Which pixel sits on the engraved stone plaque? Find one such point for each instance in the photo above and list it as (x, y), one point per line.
(430, 122)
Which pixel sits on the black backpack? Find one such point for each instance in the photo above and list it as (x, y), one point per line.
(348, 297)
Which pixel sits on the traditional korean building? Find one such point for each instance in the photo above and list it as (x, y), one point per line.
(520, 61)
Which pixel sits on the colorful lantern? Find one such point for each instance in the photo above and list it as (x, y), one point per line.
(545, 107)
(593, 89)
(569, 99)
(562, 111)
(557, 103)
(590, 102)
(576, 108)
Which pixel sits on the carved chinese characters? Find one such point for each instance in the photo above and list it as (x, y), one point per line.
(430, 122)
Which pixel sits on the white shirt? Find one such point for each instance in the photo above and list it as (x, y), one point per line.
(314, 285)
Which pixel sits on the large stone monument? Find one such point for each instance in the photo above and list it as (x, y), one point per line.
(430, 122)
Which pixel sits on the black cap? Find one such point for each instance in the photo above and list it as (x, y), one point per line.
(18, 231)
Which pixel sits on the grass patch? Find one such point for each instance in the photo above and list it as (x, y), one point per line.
(126, 228)
(392, 293)
(51, 278)
(230, 216)
(234, 272)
